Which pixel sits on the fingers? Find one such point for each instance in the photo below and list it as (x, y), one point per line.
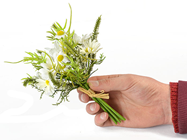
(101, 118)
(110, 82)
(83, 97)
(95, 78)
(93, 108)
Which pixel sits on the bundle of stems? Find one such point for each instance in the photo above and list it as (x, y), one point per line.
(114, 115)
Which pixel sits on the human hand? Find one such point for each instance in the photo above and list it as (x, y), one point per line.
(143, 101)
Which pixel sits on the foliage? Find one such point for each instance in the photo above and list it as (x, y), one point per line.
(67, 65)
(96, 29)
(35, 59)
(79, 67)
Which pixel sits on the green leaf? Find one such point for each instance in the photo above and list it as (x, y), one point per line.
(96, 29)
(65, 24)
(59, 26)
(70, 19)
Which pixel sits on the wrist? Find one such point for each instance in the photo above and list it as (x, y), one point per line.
(167, 104)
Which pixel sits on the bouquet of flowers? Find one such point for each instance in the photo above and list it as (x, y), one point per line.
(68, 65)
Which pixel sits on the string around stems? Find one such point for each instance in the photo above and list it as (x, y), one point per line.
(114, 115)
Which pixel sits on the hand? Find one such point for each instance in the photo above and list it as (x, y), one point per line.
(143, 101)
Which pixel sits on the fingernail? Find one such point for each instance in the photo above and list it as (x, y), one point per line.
(92, 107)
(93, 83)
(82, 97)
(103, 115)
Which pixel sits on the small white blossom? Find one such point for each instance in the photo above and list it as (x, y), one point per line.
(48, 65)
(77, 39)
(57, 54)
(90, 47)
(60, 57)
(56, 48)
(85, 38)
(46, 85)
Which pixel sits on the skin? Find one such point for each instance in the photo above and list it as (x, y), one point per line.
(143, 101)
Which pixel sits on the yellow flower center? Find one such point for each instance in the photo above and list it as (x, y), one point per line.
(86, 50)
(47, 82)
(60, 58)
(60, 33)
(51, 68)
(63, 66)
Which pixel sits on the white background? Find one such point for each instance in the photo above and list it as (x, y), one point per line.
(144, 37)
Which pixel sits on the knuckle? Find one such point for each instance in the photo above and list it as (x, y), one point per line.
(130, 78)
(107, 82)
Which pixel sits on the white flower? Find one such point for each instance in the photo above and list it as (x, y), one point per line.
(57, 53)
(48, 65)
(60, 57)
(44, 73)
(77, 39)
(60, 34)
(85, 38)
(56, 48)
(45, 85)
(90, 47)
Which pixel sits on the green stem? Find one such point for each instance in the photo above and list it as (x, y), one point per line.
(115, 112)
(70, 19)
(108, 110)
(65, 25)
(13, 62)
(87, 86)
(104, 109)
(114, 115)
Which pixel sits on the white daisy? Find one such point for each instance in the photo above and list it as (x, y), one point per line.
(60, 34)
(85, 38)
(58, 56)
(44, 73)
(45, 85)
(56, 48)
(59, 59)
(57, 53)
(48, 65)
(90, 47)
(77, 39)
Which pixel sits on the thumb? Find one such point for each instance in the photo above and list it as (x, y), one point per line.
(109, 83)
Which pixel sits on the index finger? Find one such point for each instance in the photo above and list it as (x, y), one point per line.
(95, 78)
